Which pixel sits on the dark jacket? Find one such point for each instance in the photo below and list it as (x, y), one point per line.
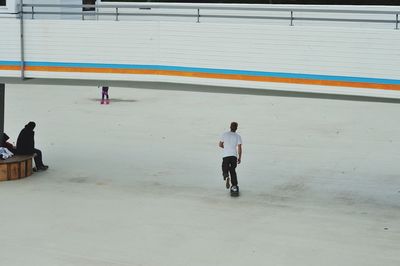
(7, 144)
(4, 140)
(26, 140)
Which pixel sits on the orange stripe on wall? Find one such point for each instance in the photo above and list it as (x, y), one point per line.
(289, 80)
(10, 68)
(395, 87)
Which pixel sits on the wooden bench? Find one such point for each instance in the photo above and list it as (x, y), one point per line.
(16, 167)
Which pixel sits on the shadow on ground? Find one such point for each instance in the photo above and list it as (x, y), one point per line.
(199, 88)
(115, 100)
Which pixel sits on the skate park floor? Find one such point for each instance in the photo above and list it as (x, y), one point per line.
(138, 181)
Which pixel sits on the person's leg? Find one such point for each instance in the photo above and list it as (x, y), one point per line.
(39, 161)
(225, 167)
(232, 167)
(38, 158)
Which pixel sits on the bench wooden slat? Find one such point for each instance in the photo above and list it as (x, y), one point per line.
(16, 167)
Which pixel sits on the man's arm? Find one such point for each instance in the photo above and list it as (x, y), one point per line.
(240, 152)
(221, 144)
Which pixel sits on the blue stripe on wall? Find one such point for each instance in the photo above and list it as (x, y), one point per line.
(208, 70)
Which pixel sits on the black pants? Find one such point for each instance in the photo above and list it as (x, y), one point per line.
(38, 158)
(104, 93)
(228, 168)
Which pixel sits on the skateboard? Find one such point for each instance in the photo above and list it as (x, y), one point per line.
(234, 191)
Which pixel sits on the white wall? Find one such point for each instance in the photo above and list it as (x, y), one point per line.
(332, 51)
(9, 44)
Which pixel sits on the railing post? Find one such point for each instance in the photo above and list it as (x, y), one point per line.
(397, 21)
(198, 15)
(22, 45)
(2, 86)
(116, 14)
(33, 12)
(291, 18)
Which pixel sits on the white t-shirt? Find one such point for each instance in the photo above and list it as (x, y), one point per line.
(230, 140)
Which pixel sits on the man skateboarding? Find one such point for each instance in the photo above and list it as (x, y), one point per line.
(231, 143)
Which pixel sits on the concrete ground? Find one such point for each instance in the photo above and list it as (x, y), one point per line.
(138, 182)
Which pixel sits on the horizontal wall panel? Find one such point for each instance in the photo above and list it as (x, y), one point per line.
(9, 39)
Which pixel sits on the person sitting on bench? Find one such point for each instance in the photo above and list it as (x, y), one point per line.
(26, 145)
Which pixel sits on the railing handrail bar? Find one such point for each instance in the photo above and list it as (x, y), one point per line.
(223, 16)
(216, 7)
(93, 13)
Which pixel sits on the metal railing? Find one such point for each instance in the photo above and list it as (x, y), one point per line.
(200, 12)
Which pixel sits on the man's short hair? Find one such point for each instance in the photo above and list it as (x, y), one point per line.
(234, 126)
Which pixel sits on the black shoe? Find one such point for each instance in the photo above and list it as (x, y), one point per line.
(43, 167)
(34, 169)
(235, 189)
